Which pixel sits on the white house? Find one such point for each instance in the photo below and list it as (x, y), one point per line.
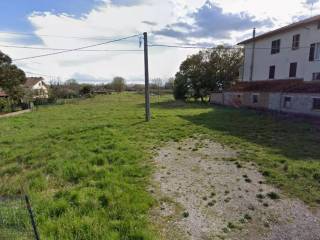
(281, 71)
(38, 87)
(289, 52)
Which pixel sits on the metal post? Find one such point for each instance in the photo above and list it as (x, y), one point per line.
(146, 70)
(253, 53)
(33, 222)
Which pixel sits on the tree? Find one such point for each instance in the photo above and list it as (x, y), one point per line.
(11, 77)
(118, 84)
(71, 82)
(157, 84)
(206, 71)
(169, 84)
(181, 87)
(191, 79)
(86, 89)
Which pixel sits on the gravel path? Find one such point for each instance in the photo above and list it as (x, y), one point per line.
(204, 193)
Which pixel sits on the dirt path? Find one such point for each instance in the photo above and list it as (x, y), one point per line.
(204, 195)
(14, 113)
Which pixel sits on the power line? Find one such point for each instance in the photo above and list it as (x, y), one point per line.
(66, 49)
(178, 46)
(213, 48)
(77, 49)
(55, 36)
(39, 74)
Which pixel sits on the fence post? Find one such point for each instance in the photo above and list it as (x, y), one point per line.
(33, 222)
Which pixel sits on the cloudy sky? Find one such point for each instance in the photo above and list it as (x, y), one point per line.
(60, 24)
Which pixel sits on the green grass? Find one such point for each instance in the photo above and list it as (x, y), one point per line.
(87, 165)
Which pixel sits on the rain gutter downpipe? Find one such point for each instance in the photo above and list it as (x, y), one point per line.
(253, 54)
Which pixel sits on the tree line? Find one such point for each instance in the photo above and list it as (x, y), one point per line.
(207, 71)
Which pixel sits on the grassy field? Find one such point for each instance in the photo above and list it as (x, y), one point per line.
(87, 165)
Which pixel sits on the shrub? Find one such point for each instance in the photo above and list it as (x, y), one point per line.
(4, 105)
(316, 176)
(273, 195)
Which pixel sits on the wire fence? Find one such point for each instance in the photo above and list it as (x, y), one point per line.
(15, 219)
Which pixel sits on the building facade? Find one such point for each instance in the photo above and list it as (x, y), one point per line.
(286, 53)
(38, 87)
(281, 71)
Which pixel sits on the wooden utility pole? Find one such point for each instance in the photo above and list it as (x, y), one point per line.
(146, 72)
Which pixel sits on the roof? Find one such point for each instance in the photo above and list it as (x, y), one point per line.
(284, 29)
(31, 81)
(285, 85)
(3, 93)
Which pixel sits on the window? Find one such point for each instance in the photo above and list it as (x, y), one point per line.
(287, 102)
(272, 71)
(296, 42)
(316, 76)
(314, 52)
(255, 98)
(319, 25)
(293, 70)
(316, 104)
(275, 46)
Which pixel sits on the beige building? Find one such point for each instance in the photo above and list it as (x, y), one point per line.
(38, 87)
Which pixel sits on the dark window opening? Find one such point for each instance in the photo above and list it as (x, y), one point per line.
(293, 70)
(272, 71)
(316, 76)
(275, 46)
(287, 102)
(314, 52)
(319, 25)
(316, 104)
(296, 42)
(255, 98)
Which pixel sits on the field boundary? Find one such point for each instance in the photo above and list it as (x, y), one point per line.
(15, 113)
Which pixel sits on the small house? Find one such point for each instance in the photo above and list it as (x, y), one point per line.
(38, 87)
(3, 94)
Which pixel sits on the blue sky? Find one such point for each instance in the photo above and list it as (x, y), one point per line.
(14, 13)
(201, 22)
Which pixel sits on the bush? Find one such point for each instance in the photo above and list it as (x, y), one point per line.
(5, 106)
(39, 101)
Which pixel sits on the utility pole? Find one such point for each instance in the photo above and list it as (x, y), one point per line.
(253, 53)
(146, 72)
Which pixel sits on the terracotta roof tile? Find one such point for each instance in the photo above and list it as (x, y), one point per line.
(285, 85)
(31, 81)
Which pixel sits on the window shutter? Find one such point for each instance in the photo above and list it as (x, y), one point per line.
(312, 52)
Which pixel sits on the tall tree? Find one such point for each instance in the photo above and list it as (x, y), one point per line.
(207, 71)
(118, 84)
(11, 77)
(169, 84)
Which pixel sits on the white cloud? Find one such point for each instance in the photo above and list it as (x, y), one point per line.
(113, 21)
